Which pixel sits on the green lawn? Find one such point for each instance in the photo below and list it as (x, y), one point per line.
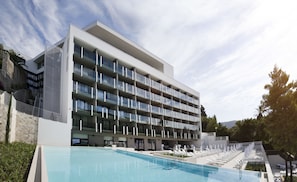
(15, 161)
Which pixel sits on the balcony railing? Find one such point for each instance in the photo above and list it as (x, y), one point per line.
(89, 73)
(89, 55)
(107, 63)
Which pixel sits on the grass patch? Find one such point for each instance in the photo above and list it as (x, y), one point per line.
(256, 167)
(15, 161)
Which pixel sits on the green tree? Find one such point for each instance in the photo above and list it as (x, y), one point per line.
(222, 130)
(280, 111)
(248, 130)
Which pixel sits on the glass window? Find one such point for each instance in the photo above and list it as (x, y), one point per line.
(100, 95)
(77, 49)
(107, 63)
(90, 55)
(90, 73)
(120, 69)
(129, 73)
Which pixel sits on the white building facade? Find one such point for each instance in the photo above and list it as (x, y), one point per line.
(109, 91)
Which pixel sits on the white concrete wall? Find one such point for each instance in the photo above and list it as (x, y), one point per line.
(53, 133)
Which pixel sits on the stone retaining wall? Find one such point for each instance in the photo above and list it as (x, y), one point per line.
(26, 128)
(23, 127)
(3, 120)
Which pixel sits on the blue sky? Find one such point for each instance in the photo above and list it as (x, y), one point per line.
(222, 48)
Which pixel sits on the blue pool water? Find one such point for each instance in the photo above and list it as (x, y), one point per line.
(98, 164)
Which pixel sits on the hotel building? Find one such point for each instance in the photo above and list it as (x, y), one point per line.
(106, 90)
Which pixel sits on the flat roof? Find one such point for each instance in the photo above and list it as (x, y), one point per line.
(115, 39)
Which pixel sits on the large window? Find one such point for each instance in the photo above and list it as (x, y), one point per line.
(107, 63)
(90, 55)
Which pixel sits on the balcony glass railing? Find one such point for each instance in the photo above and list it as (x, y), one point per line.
(125, 102)
(121, 70)
(89, 55)
(142, 93)
(176, 93)
(111, 98)
(100, 95)
(143, 119)
(82, 105)
(111, 114)
(167, 101)
(129, 73)
(77, 49)
(133, 104)
(107, 63)
(77, 68)
(84, 90)
(107, 80)
(156, 109)
(156, 85)
(155, 121)
(156, 98)
(168, 123)
(133, 117)
(129, 88)
(121, 85)
(98, 109)
(124, 115)
(89, 73)
(142, 79)
(143, 106)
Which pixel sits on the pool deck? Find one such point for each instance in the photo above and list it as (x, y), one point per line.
(236, 162)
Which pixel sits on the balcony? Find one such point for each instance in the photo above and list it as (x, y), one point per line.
(84, 90)
(156, 121)
(133, 104)
(100, 95)
(142, 93)
(77, 50)
(121, 85)
(130, 74)
(77, 69)
(111, 98)
(107, 80)
(89, 56)
(157, 110)
(89, 73)
(111, 114)
(83, 106)
(143, 106)
(125, 102)
(157, 98)
(129, 88)
(156, 85)
(107, 63)
(143, 119)
(142, 79)
(121, 70)
(124, 115)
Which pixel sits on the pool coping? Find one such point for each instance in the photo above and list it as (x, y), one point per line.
(38, 169)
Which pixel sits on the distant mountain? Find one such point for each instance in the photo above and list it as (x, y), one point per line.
(229, 124)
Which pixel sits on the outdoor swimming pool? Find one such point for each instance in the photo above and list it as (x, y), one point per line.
(100, 164)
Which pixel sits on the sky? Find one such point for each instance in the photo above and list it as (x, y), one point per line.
(224, 49)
